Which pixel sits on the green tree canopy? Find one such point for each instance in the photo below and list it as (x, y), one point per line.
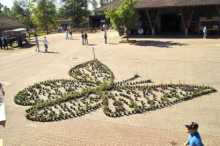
(123, 17)
(77, 10)
(22, 10)
(45, 14)
(4, 10)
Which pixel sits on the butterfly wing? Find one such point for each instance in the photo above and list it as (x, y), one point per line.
(127, 100)
(92, 72)
(48, 91)
(72, 105)
(63, 99)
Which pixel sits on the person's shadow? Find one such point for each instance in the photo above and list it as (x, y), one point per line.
(49, 52)
(90, 44)
(173, 143)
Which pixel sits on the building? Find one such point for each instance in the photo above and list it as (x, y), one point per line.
(175, 16)
(8, 23)
(12, 30)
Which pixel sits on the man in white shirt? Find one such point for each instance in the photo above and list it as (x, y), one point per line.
(204, 32)
(67, 34)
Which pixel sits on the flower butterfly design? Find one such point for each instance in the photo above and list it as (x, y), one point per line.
(93, 87)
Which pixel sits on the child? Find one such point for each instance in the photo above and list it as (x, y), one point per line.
(37, 42)
(45, 44)
(86, 39)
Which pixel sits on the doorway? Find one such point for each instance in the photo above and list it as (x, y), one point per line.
(171, 23)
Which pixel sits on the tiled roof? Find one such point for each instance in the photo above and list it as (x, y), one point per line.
(174, 3)
(163, 3)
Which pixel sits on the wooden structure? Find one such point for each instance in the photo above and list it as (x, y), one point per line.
(12, 30)
(175, 16)
(9, 23)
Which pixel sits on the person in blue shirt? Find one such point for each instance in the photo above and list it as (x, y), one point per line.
(194, 138)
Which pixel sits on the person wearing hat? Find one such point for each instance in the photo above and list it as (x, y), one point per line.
(194, 138)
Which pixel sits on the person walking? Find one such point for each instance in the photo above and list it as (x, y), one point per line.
(1, 46)
(71, 34)
(2, 93)
(83, 38)
(67, 34)
(86, 38)
(194, 138)
(204, 32)
(4, 42)
(105, 36)
(46, 44)
(37, 43)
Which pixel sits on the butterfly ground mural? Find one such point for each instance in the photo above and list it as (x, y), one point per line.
(93, 87)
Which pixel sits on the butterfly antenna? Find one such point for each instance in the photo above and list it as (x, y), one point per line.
(93, 51)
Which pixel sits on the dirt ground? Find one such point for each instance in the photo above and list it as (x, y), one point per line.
(192, 61)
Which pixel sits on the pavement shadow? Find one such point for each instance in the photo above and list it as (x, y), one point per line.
(113, 43)
(26, 46)
(91, 45)
(154, 43)
(13, 47)
(50, 52)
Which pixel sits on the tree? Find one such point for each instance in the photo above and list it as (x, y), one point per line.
(77, 10)
(1, 6)
(45, 14)
(5, 11)
(22, 10)
(124, 17)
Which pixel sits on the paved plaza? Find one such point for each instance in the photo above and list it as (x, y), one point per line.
(191, 61)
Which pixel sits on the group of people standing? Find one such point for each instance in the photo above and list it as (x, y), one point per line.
(84, 35)
(3, 42)
(69, 34)
(45, 43)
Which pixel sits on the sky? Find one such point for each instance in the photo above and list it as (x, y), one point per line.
(9, 3)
